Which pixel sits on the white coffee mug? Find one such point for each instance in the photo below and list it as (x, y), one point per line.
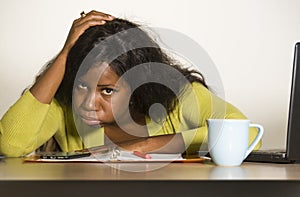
(228, 140)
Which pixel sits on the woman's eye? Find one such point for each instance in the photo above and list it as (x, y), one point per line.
(82, 86)
(107, 91)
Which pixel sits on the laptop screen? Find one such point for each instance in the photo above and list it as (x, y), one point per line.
(293, 135)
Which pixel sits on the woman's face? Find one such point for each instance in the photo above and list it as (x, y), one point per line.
(98, 99)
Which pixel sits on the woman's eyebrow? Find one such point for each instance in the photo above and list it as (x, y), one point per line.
(106, 85)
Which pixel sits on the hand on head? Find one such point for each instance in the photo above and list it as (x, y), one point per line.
(81, 24)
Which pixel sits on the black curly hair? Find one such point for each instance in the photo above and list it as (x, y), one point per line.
(124, 45)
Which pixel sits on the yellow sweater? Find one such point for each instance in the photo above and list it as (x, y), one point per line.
(28, 123)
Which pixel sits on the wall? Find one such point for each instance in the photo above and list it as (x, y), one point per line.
(250, 41)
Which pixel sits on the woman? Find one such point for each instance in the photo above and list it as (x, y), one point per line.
(112, 84)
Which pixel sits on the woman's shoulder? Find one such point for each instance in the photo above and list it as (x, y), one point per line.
(193, 94)
(199, 86)
(195, 88)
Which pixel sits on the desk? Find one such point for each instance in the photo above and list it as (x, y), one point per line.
(184, 175)
(15, 169)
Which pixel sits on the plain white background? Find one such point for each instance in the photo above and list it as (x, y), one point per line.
(250, 41)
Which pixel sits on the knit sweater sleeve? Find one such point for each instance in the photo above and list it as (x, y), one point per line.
(199, 105)
(28, 124)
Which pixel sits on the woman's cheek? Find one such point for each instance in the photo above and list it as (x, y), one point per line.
(77, 100)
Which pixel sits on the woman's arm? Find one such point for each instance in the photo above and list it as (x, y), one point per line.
(28, 124)
(36, 116)
(192, 122)
(47, 84)
(171, 143)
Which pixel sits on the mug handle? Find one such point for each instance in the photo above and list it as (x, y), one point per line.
(256, 140)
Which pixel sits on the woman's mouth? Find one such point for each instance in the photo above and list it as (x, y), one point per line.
(90, 121)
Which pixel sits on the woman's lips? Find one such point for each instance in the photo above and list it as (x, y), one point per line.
(90, 121)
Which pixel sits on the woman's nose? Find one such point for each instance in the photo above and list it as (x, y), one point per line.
(90, 102)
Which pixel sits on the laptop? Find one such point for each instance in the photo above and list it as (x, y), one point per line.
(292, 152)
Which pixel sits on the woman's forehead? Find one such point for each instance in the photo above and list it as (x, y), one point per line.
(102, 74)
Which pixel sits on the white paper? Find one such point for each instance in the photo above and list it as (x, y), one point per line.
(124, 156)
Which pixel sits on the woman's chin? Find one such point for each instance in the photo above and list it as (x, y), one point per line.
(95, 126)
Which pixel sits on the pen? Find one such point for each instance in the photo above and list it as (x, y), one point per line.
(142, 155)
